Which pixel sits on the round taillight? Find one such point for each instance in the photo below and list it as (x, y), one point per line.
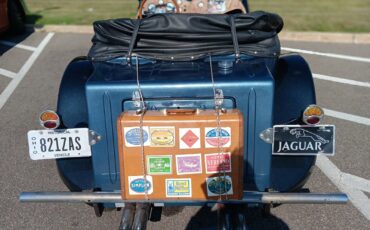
(49, 119)
(313, 115)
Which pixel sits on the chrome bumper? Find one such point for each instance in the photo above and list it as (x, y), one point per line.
(248, 197)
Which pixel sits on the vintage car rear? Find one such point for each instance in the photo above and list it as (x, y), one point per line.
(179, 109)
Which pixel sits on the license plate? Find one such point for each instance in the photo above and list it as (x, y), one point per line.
(301, 140)
(59, 143)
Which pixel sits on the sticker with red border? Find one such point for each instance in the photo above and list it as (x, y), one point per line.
(217, 162)
(189, 138)
(213, 140)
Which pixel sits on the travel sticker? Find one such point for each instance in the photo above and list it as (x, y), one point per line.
(218, 162)
(178, 187)
(162, 136)
(137, 185)
(189, 138)
(189, 164)
(133, 137)
(159, 164)
(219, 186)
(214, 140)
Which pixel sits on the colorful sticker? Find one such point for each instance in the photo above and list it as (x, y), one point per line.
(137, 185)
(219, 186)
(213, 140)
(133, 136)
(189, 138)
(189, 164)
(178, 187)
(162, 136)
(216, 6)
(218, 162)
(159, 164)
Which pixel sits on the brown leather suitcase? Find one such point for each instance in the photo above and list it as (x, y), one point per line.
(181, 155)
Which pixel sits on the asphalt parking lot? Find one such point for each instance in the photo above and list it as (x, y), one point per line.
(30, 71)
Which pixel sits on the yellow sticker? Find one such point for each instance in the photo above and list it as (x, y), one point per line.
(162, 136)
(180, 187)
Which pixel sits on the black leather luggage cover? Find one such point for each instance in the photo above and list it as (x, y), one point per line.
(180, 37)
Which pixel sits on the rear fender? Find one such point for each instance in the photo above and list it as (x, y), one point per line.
(76, 173)
(294, 91)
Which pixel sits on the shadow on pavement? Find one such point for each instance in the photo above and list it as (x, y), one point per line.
(13, 40)
(207, 219)
(7, 36)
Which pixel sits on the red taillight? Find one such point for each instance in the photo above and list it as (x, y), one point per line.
(313, 120)
(313, 115)
(49, 119)
(50, 125)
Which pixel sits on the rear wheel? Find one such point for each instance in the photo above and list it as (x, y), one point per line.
(16, 18)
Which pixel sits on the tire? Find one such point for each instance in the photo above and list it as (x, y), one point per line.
(16, 18)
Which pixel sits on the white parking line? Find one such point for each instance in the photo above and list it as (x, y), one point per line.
(357, 197)
(20, 46)
(339, 56)
(355, 181)
(25, 68)
(341, 80)
(7, 73)
(347, 117)
(349, 184)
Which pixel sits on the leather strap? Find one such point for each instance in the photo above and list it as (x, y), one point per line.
(234, 37)
(133, 41)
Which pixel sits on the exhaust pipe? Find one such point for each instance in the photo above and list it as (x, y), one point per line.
(141, 216)
(128, 215)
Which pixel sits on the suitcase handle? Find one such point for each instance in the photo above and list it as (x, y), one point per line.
(180, 111)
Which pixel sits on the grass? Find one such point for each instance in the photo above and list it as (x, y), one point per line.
(80, 12)
(299, 15)
(320, 15)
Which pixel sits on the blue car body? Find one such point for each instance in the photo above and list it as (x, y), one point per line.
(268, 91)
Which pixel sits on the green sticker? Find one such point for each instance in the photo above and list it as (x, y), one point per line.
(159, 164)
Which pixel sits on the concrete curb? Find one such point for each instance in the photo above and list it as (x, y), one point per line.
(351, 38)
(329, 37)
